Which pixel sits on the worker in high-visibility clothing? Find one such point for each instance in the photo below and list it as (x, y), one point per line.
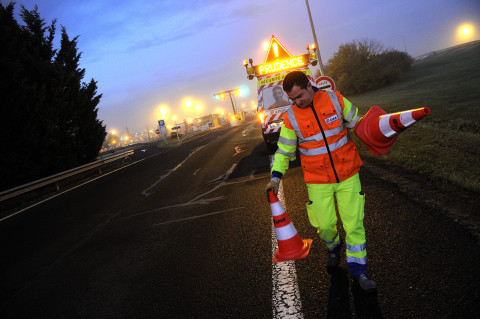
(317, 124)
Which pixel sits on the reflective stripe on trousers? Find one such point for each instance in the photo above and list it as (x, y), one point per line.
(350, 202)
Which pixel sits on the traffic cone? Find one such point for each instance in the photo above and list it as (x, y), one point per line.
(290, 245)
(378, 130)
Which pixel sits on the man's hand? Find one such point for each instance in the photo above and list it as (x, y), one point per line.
(273, 185)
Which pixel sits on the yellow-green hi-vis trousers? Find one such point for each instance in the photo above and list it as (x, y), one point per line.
(350, 202)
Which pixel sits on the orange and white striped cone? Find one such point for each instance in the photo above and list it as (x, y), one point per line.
(378, 130)
(290, 245)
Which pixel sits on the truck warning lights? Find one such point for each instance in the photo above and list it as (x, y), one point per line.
(282, 65)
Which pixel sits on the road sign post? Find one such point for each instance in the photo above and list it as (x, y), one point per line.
(325, 83)
(176, 128)
(163, 129)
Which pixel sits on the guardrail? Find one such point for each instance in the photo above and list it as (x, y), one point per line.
(60, 176)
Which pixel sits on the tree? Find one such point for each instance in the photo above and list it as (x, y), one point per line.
(50, 120)
(364, 65)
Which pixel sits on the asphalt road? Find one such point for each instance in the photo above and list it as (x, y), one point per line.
(186, 232)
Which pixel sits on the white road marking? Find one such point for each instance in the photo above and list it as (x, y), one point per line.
(197, 200)
(146, 193)
(224, 177)
(286, 300)
(199, 216)
(238, 150)
(192, 202)
(195, 173)
(70, 189)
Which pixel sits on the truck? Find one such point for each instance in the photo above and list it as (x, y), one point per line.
(272, 100)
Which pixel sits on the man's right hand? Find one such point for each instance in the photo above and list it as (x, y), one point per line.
(273, 185)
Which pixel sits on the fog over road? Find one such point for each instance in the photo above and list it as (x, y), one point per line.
(186, 232)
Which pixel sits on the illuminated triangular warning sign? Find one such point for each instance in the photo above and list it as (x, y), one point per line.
(276, 51)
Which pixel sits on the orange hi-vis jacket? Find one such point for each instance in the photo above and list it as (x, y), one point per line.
(327, 153)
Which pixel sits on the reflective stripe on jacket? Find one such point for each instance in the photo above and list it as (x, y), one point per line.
(320, 131)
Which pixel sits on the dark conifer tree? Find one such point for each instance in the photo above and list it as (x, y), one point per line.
(49, 121)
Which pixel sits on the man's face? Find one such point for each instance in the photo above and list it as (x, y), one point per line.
(277, 94)
(301, 97)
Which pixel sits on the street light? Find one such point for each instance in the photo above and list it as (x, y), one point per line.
(322, 72)
(237, 91)
(465, 32)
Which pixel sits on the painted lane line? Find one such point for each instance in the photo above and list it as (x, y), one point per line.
(195, 173)
(286, 301)
(196, 201)
(145, 191)
(223, 178)
(68, 190)
(238, 150)
(199, 216)
(68, 252)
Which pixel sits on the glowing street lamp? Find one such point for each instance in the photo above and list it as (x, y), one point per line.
(465, 32)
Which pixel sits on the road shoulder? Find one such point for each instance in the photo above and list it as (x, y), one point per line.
(460, 205)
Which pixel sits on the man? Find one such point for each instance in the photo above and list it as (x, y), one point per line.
(278, 96)
(317, 124)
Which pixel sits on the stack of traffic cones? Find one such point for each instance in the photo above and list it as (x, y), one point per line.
(378, 130)
(290, 245)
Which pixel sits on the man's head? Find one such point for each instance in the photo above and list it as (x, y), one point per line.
(277, 93)
(298, 88)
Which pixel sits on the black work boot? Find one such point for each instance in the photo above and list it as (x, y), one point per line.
(365, 283)
(333, 257)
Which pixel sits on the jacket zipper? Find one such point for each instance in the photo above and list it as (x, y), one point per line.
(326, 144)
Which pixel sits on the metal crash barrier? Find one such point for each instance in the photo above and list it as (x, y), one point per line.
(60, 176)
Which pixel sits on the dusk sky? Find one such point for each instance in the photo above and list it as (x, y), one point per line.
(151, 54)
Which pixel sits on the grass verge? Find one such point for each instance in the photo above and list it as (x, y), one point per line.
(445, 145)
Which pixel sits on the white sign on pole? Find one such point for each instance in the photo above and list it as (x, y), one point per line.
(163, 128)
(325, 83)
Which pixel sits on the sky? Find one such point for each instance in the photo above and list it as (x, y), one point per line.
(147, 55)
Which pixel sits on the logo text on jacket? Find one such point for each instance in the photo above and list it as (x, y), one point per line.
(331, 119)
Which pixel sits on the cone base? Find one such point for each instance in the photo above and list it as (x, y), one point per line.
(300, 254)
(368, 132)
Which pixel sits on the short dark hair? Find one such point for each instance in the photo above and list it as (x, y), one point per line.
(297, 78)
